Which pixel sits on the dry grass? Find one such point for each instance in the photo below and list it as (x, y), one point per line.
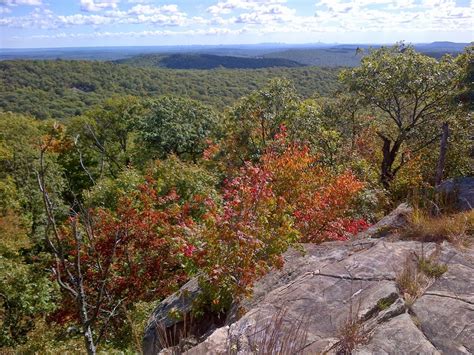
(277, 335)
(350, 335)
(352, 332)
(412, 282)
(174, 338)
(455, 228)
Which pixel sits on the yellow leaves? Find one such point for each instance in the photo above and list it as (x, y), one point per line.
(13, 234)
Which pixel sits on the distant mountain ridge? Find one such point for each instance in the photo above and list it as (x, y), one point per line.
(207, 61)
(347, 55)
(245, 50)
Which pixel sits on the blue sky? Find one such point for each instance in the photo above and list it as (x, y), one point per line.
(74, 23)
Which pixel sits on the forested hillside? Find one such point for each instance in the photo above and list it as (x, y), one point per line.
(143, 179)
(206, 61)
(60, 89)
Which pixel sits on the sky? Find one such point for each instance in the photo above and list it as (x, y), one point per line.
(84, 23)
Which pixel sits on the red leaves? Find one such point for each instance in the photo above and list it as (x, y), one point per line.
(284, 198)
(152, 242)
(136, 251)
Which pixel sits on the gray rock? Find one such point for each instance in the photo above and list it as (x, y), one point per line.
(179, 302)
(460, 191)
(397, 219)
(399, 335)
(215, 344)
(307, 305)
(321, 290)
(446, 310)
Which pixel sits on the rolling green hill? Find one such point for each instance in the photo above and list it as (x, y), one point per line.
(61, 89)
(206, 61)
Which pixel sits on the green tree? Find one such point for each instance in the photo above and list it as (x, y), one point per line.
(466, 83)
(174, 125)
(255, 119)
(102, 140)
(310, 125)
(410, 94)
(26, 291)
(20, 139)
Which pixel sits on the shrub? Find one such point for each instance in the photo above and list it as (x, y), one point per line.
(431, 268)
(285, 198)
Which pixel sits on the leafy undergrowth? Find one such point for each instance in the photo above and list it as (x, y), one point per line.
(457, 228)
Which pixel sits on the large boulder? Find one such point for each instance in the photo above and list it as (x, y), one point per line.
(459, 192)
(394, 221)
(167, 315)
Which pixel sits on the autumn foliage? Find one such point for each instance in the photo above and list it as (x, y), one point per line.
(131, 254)
(320, 199)
(153, 242)
(285, 198)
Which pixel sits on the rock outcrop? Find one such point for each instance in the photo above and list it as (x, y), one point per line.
(460, 191)
(341, 296)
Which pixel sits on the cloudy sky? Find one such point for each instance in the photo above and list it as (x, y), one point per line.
(66, 23)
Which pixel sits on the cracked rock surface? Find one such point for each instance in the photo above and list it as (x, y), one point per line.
(324, 286)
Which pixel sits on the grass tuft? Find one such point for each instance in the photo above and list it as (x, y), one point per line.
(455, 228)
(431, 268)
(278, 335)
(411, 282)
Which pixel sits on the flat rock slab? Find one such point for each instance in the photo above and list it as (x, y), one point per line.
(321, 289)
(446, 309)
(398, 335)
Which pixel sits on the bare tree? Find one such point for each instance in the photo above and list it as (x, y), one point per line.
(94, 308)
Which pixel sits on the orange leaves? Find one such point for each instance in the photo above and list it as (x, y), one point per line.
(317, 196)
(284, 198)
(154, 241)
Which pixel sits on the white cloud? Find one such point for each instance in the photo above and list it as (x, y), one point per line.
(166, 15)
(197, 32)
(98, 5)
(151, 10)
(227, 6)
(259, 17)
(20, 2)
(79, 19)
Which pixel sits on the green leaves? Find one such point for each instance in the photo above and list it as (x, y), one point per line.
(410, 94)
(177, 126)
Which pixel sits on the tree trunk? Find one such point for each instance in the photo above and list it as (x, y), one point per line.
(390, 152)
(89, 340)
(443, 149)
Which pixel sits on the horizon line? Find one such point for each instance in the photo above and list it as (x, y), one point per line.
(235, 45)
